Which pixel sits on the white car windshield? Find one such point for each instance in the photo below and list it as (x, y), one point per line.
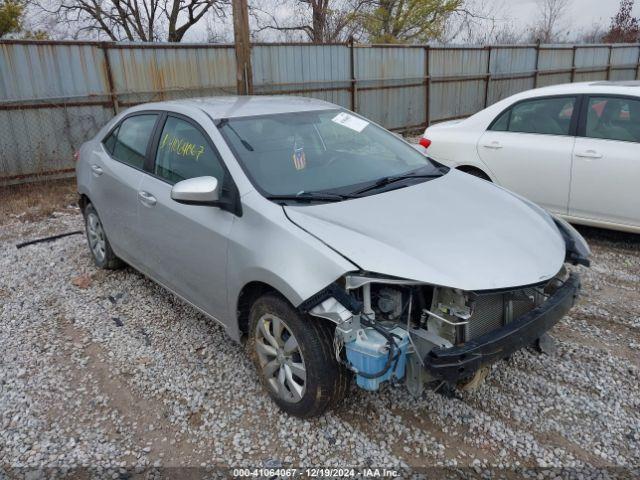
(323, 151)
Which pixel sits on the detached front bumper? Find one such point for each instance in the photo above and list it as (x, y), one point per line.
(456, 363)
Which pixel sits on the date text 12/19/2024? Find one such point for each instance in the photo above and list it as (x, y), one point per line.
(315, 472)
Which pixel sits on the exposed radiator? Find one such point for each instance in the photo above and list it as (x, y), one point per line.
(494, 310)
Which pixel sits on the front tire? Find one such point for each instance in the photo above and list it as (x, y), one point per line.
(294, 358)
(99, 245)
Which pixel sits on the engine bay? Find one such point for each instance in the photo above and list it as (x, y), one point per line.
(397, 323)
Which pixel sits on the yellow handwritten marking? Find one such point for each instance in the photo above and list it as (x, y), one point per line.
(181, 147)
(164, 140)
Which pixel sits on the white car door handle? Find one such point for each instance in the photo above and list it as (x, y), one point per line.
(147, 199)
(589, 154)
(97, 170)
(493, 145)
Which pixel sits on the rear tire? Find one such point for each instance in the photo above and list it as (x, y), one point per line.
(294, 358)
(99, 245)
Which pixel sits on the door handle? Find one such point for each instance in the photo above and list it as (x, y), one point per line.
(97, 170)
(493, 145)
(589, 154)
(147, 199)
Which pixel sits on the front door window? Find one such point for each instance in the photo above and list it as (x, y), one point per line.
(613, 118)
(184, 152)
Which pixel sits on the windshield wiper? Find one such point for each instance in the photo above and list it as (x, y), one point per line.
(384, 181)
(312, 197)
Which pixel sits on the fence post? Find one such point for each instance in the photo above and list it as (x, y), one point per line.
(107, 65)
(535, 74)
(427, 85)
(352, 67)
(244, 71)
(573, 64)
(488, 79)
(609, 63)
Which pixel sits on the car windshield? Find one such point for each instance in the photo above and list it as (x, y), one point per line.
(323, 151)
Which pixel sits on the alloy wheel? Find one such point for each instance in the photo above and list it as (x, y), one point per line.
(97, 240)
(281, 361)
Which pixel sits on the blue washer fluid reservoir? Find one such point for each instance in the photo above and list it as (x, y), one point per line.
(368, 353)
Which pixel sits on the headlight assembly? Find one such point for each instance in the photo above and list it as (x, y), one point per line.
(578, 251)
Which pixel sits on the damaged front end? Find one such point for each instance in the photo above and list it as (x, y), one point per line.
(395, 329)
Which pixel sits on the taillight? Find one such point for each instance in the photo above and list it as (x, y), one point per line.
(425, 142)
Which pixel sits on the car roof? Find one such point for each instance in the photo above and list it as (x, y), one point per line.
(482, 118)
(628, 87)
(242, 106)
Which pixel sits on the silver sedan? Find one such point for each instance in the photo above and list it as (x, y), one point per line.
(334, 248)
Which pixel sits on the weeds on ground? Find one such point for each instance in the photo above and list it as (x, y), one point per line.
(33, 201)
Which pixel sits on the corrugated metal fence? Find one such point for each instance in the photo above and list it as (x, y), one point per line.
(55, 95)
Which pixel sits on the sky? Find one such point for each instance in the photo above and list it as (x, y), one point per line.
(583, 13)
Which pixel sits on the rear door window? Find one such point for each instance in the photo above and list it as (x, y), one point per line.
(613, 118)
(129, 142)
(549, 116)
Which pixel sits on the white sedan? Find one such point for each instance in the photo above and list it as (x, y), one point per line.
(573, 149)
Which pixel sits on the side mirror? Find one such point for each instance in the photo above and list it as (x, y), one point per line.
(197, 191)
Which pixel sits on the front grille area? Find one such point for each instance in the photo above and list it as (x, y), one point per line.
(488, 315)
(523, 301)
(494, 310)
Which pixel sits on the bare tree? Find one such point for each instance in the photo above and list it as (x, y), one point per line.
(625, 28)
(592, 34)
(551, 14)
(215, 30)
(369, 20)
(498, 33)
(481, 22)
(318, 21)
(133, 20)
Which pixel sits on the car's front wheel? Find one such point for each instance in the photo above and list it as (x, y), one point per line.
(295, 358)
(101, 251)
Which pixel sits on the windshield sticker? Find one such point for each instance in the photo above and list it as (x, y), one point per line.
(347, 120)
(299, 159)
(181, 147)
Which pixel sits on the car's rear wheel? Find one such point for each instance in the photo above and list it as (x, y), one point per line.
(294, 357)
(99, 246)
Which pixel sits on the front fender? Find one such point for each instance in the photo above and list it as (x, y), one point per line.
(578, 251)
(265, 246)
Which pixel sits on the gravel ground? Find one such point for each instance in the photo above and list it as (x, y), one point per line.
(109, 371)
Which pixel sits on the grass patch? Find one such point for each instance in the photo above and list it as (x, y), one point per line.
(34, 201)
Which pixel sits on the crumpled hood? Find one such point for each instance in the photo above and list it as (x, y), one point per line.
(456, 231)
